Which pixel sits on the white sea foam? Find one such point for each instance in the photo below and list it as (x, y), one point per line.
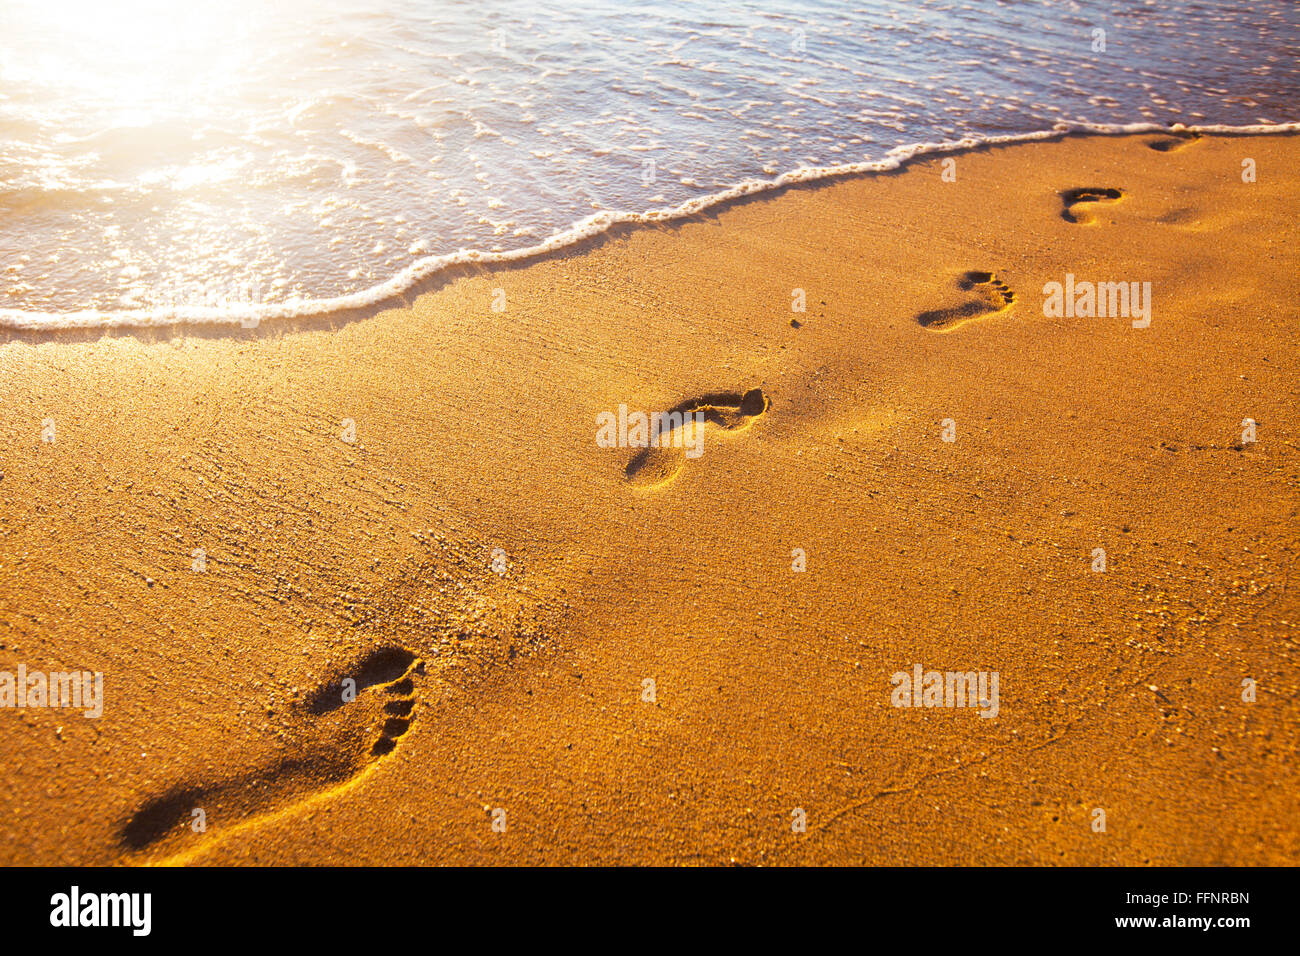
(588, 228)
(166, 164)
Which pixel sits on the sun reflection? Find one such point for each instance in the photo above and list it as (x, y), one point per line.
(141, 112)
(133, 61)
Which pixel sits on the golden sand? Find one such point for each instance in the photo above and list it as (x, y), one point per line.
(528, 585)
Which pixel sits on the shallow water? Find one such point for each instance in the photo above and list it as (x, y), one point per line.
(168, 160)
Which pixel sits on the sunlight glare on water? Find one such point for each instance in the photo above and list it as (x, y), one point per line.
(130, 62)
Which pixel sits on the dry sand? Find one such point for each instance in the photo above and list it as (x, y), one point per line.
(475, 431)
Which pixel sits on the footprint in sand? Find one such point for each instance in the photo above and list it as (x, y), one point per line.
(342, 735)
(729, 411)
(1175, 141)
(1072, 199)
(991, 295)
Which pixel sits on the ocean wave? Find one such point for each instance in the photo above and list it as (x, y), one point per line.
(585, 229)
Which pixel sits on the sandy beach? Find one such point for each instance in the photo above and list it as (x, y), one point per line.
(565, 653)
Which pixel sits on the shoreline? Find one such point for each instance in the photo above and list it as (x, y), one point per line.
(398, 289)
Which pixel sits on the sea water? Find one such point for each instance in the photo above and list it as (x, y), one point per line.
(207, 161)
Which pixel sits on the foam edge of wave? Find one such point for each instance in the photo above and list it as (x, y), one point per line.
(588, 228)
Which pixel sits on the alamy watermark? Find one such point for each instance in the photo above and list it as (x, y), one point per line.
(244, 297)
(637, 429)
(129, 910)
(922, 688)
(79, 690)
(1086, 299)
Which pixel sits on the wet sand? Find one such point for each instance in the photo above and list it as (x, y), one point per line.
(501, 587)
